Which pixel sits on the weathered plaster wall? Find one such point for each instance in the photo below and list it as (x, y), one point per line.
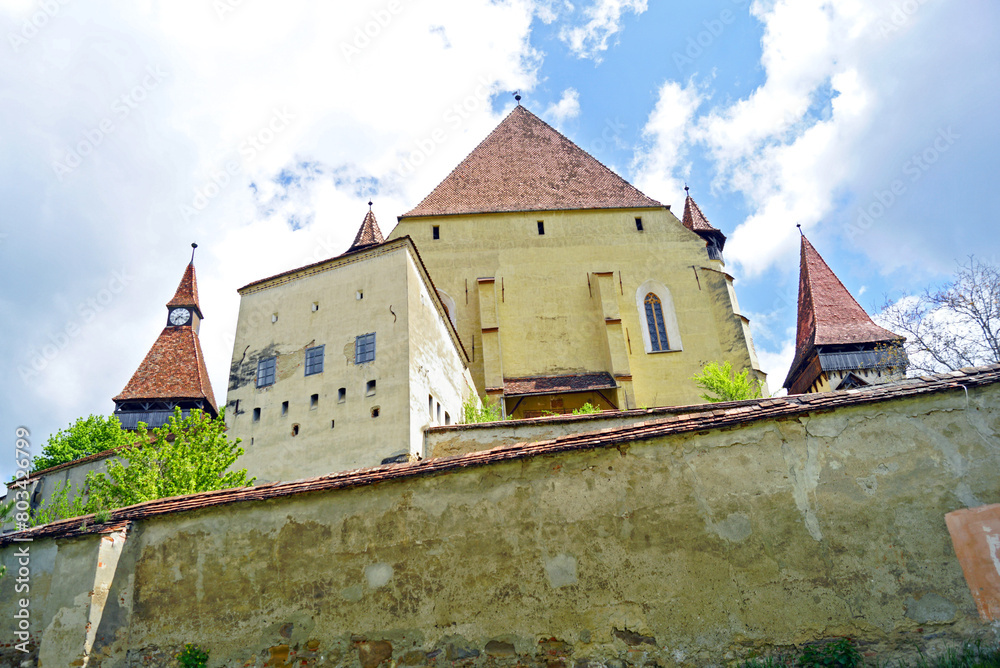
(687, 549)
(552, 310)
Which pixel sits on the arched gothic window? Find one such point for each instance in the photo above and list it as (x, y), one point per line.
(654, 322)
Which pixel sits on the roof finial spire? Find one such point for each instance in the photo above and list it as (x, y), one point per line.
(193, 247)
(369, 205)
(517, 96)
(799, 225)
(687, 190)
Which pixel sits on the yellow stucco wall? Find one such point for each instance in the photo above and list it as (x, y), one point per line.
(691, 549)
(556, 298)
(380, 291)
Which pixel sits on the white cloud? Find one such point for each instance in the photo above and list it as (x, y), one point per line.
(566, 108)
(603, 22)
(661, 164)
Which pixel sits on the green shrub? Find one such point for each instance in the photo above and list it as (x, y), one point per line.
(473, 412)
(840, 653)
(587, 409)
(192, 656)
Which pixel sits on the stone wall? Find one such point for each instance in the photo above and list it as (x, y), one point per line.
(690, 548)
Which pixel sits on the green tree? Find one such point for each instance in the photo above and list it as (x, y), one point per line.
(473, 411)
(185, 456)
(722, 384)
(86, 436)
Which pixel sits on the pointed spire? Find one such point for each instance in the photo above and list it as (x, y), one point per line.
(693, 218)
(187, 290)
(827, 313)
(527, 165)
(368, 234)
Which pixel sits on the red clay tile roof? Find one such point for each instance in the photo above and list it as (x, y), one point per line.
(187, 291)
(174, 368)
(368, 234)
(526, 165)
(702, 417)
(828, 314)
(583, 382)
(694, 219)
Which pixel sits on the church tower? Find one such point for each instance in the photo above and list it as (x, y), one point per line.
(570, 286)
(837, 346)
(173, 372)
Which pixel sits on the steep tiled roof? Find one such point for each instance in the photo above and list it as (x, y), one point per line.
(694, 219)
(368, 234)
(526, 165)
(174, 368)
(828, 314)
(702, 417)
(187, 291)
(555, 384)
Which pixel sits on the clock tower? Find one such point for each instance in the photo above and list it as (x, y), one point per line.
(173, 373)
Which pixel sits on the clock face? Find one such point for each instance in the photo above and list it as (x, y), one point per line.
(179, 316)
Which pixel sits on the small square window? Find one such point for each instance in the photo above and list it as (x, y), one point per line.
(541, 227)
(295, 430)
(435, 232)
(638, 224)
(359, 295)
(265, 371)
(315, 306)
(313, 402)
(375, 412)
(370, 388)
(314, 360)
(341, 395)
(284, 408)
(364, 348)
(256, 415)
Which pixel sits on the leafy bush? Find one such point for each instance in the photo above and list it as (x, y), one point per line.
(473, 412)
(86, 436)
(192, 656)
(587, 409)
(722, 384)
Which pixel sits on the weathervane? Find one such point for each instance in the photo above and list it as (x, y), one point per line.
(193, 247)
(517, 96)
(799, 225)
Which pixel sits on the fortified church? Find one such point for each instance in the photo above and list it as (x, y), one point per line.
(662, 531)
(532, 277)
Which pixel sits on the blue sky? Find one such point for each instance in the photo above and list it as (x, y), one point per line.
(871, 123)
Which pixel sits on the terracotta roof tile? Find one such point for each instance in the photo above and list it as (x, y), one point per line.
(174, 368)
(694, 219)
(828, 314)
(526, 165)
(555, 384)
(368, 234)
(187, 291)
(699, 418)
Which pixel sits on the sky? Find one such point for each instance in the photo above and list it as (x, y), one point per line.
(261, 130)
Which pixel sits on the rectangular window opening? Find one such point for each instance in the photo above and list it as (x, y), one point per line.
(256, 415)
(332, 423)
(435, 232)
(370, 388)
(341, 395)
(266, 371)
(314, 360)
(447, 418)
(284, 408)
(438, 406)
(541, 227)
(315, 306)
(313, 402)
(364, 348)
(430, 405)
(638, 224)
